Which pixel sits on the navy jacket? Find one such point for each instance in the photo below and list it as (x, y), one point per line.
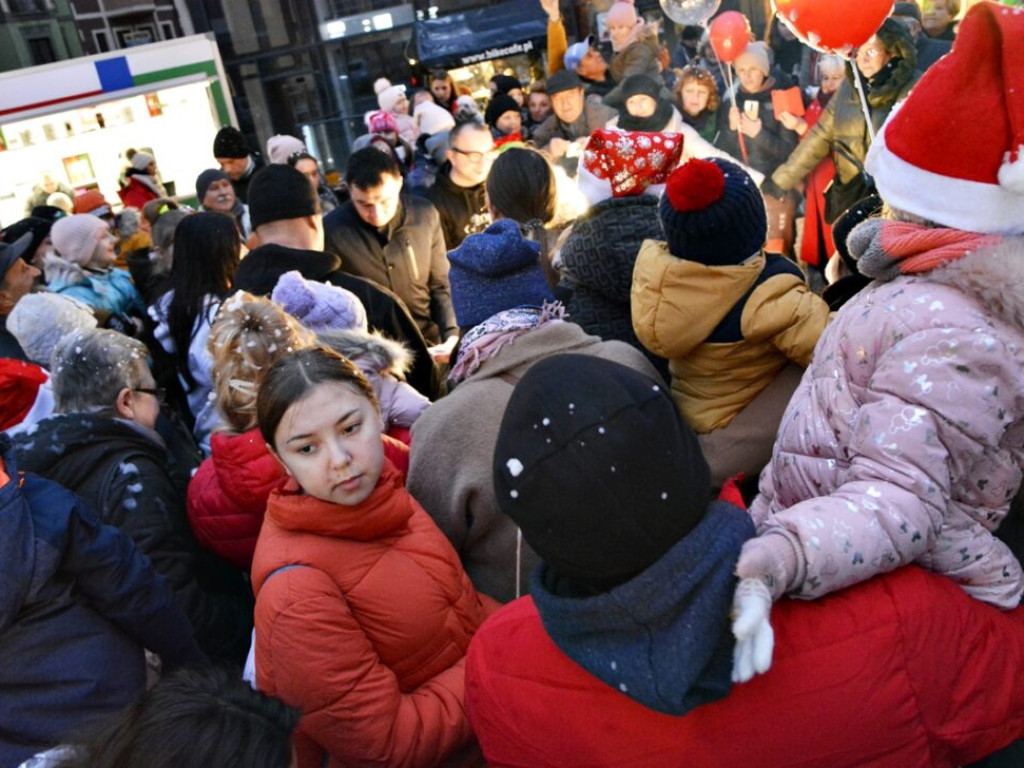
(77, 605)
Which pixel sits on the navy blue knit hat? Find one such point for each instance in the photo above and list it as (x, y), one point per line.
(493, 271)
(713, 213)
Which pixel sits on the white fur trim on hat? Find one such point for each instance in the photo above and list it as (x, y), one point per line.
(973, 206)
(1011, 172)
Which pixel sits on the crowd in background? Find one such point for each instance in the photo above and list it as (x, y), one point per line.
(514, 446)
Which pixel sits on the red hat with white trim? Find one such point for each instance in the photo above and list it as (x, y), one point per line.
(624, 163)
(953, 152)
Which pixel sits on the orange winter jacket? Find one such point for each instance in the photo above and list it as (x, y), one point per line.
(363, 618)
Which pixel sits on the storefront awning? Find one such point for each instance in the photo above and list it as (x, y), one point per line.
(493, 32)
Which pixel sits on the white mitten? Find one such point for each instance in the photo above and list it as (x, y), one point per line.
(751, 613)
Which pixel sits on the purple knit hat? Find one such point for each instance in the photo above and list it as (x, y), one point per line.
(319, 306)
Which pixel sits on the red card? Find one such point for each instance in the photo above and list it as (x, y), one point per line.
(788, 101)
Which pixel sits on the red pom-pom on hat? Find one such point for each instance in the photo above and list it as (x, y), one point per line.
(695, 185)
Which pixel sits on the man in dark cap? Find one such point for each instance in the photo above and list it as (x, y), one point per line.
(929, 49)
(232, 154)
(216, 193)
(16, 278)
(285, 213)
(573, 119)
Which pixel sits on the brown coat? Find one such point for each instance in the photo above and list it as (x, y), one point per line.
(453, 447)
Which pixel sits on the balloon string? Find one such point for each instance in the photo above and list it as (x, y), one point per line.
(732, 96)
(863, 100)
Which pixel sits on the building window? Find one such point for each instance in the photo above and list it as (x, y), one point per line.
(167, 30)
(27, 6)
(41, 49)
(101, 39)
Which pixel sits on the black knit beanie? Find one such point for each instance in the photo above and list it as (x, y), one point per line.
(713, 213)
(498, 106)
(595, 465)
(38, 227)
(279, 192)
(229, 142)
(505, 83)
(640, 85)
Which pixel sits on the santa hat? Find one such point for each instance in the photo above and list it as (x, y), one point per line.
(381, 122)
(953, 152)
(387, 94)
(621, 164)
(712, 213)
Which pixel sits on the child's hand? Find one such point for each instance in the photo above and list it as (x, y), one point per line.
(755, 640)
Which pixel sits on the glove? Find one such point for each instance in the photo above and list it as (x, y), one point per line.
(770, 189)
(755, 640)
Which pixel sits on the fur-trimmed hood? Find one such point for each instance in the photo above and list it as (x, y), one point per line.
(994, 274)
(370, 351)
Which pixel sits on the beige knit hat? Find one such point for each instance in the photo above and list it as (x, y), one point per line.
(281, 147)
(75, 237)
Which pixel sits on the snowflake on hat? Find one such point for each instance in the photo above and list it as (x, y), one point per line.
(626, 163)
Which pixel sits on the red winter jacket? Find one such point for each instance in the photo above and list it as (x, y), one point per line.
(363, 616)
(904, 670)
(228, 494)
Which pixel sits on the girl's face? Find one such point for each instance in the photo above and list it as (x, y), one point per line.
(641, 105)
(695, 98)
(517, 94)
(509, 122)
(830, 81)
(402, 105)
(329, 441)
(619, 33)
(104, 254)
(539, 106)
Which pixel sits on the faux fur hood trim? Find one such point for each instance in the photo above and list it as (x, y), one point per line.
(370, 351)
(995, 275)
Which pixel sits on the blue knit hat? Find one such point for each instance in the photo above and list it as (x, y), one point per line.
(494, 271)
(713, 213)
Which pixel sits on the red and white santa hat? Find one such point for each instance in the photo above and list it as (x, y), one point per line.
(624, 163)
(953, 152)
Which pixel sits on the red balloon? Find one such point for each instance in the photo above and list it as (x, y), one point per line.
(833, 26)
(729, 34)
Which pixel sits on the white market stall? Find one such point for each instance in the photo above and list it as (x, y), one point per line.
(75, 119)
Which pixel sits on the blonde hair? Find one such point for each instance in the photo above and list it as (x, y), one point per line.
(830, 62)
(249, 335)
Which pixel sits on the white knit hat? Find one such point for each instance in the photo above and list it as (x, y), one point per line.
(75, 237)
(387, 94)
(433, 119)
(953, 151)
(281, 147)
(40, 320)
(141, 161)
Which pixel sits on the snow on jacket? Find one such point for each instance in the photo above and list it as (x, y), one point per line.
(227, 496)
(598, 258)
(903, 441)
(111, 290)
(857, 679)
(121, 471)
(368, 635)
(726, 331)
(78, 602)
(453, 447)
(200, 364)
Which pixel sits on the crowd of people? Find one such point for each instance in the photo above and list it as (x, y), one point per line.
(545, 437)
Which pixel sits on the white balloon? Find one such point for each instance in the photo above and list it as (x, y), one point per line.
(690, 11)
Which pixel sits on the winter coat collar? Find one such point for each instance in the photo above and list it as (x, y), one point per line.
(263, 266)
(385, 511)
(663, 637)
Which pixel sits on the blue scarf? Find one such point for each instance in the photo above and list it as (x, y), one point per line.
(663, 638)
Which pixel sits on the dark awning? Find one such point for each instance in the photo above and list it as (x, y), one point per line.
(481, 34)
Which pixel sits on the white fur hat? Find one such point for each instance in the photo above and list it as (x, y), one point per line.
(40, 320)
(433, 119)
